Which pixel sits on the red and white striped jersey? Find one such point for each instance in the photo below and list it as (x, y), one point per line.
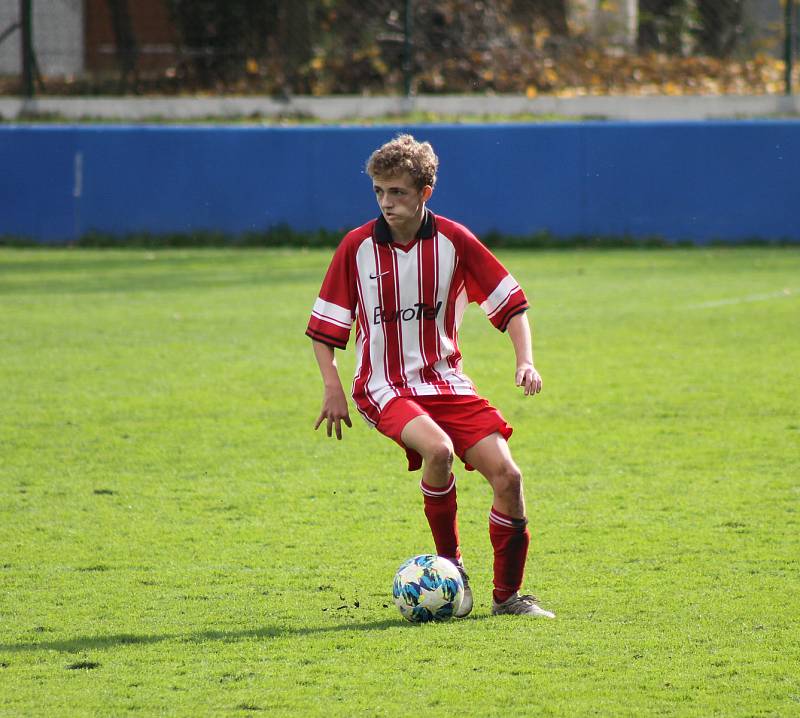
(407, 303)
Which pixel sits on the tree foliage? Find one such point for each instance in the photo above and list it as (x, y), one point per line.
(344, 46)
(321, 47)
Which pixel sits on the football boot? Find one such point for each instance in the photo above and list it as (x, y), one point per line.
(466, 602)
(516, 605)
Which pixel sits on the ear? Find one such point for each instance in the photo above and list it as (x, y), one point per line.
(427, 191)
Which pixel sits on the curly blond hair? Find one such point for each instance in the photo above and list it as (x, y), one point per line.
(405, 154)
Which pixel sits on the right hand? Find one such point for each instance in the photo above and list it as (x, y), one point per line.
(335, 411)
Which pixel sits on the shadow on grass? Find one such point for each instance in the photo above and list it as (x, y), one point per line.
(131, 272)
(87, 643)
(130, 284)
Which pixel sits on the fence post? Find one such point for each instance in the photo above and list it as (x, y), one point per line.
(408, 48)
(788, 45)
(26, 27)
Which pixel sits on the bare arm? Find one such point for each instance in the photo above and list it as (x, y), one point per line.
(519, 330)
(334, 402)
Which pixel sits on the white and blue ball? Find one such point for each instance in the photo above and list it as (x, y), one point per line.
(428, 588)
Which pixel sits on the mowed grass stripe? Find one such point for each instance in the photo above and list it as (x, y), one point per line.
(175, 538)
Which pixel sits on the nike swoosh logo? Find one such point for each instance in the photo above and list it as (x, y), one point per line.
(375, 276)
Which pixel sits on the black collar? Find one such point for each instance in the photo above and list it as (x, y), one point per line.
(383, 235)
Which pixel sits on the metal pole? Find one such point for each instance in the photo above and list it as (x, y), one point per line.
(26, 26)
(408, 48)
(796, 30)
(788, 46)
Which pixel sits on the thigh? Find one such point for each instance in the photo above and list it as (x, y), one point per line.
(424, 435)
(467, 420)
(395, 415)
(491, 456)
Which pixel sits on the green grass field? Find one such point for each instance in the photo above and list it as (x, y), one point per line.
(176, 540)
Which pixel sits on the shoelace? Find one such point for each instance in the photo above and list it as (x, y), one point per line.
(529, 598)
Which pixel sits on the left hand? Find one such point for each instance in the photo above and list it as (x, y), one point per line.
(529, 379)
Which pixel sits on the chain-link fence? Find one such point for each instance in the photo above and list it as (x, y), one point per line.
(321, 47)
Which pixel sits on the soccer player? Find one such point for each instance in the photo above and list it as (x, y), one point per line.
(405, 279)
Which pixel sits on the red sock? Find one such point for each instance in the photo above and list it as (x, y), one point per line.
(440, 510)
(510, 539)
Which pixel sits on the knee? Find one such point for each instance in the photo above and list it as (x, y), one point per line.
(440, 456)
(507, 481)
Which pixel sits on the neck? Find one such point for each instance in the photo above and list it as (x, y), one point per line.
(408, 232)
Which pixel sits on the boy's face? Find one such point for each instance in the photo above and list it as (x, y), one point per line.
(399, 199)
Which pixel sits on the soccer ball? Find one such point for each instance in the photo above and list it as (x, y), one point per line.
(428, 588)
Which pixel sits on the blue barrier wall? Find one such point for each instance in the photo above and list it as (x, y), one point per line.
(696, 181)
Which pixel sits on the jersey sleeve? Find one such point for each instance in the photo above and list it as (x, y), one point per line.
(335, 307)
(489, 283)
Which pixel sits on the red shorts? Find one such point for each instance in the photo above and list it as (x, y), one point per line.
(465, 419)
